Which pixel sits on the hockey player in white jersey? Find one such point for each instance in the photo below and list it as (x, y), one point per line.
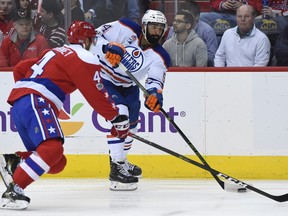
(145, 58)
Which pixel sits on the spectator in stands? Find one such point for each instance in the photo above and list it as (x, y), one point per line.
(132, 10)
(223, 13)
(243, 45)
(23, 43)
(52, 22)
(76, 11)
(99, 12)
(276, 11)
(185, 48)
(6, 21)
(281, 48)
(26, 5)
(276, 8)
(203, 30)
(88, 7)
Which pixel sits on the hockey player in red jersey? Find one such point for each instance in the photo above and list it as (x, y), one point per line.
(37, 97)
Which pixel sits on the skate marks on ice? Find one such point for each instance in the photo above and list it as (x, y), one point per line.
(159, 197)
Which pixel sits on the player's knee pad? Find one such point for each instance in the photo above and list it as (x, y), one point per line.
(51, 151)
(57, 168)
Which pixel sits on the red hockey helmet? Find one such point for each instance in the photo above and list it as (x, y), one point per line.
(79, 31)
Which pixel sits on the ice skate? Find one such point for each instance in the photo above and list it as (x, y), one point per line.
(133, 169)
(8, 165)
(120, 178)
(13, 198)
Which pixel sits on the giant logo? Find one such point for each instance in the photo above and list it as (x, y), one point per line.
(69, 126)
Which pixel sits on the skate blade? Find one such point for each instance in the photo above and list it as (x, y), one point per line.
(6, 177)
(118, 186)
(13, 205)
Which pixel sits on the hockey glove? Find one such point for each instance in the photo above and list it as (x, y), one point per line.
(120, 126)
(155, 100)
(114, 53)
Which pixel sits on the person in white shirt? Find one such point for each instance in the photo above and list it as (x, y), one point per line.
(243, 45)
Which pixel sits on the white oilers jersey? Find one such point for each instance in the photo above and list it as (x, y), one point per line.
(151, 62)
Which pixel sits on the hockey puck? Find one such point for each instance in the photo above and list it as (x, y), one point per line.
(242, 190)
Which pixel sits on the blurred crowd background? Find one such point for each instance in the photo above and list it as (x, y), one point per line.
(27, 27)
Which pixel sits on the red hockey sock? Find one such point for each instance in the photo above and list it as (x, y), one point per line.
(24, 155)
(49, 154)
(22, 178)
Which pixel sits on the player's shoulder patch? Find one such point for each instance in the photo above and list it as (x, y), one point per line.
(163, 53)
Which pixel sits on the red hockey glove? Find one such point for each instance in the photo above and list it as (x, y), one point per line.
(155, 100)
(120, 127)
(114, 53)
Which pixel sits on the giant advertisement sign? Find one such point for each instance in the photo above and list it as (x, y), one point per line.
(222, 113)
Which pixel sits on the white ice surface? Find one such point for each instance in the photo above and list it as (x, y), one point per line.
(159, 197)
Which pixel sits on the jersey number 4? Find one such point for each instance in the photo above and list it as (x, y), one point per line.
(38, 68)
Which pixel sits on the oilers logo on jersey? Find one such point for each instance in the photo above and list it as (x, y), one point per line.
(133, 59)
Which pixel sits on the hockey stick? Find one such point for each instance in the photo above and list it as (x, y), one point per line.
(221, 183)
(280, 198)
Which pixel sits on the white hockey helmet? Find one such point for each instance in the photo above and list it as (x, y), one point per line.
(153, 16)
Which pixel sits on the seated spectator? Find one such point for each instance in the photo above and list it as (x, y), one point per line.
(281, 48)
(23, 43)
(6, 21)
(88, 8)
(203, 30)
(273, 19)
(185, 48)
(243, 45)
(222, 16)
(132, 10)
(99, 12)
(26, 5)
(52, 23)
(275, 9)
(76, 11)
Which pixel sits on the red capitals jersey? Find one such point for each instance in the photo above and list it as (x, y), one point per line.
(6, 26)
(60, 71)
(12, 51)
(256, 4)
